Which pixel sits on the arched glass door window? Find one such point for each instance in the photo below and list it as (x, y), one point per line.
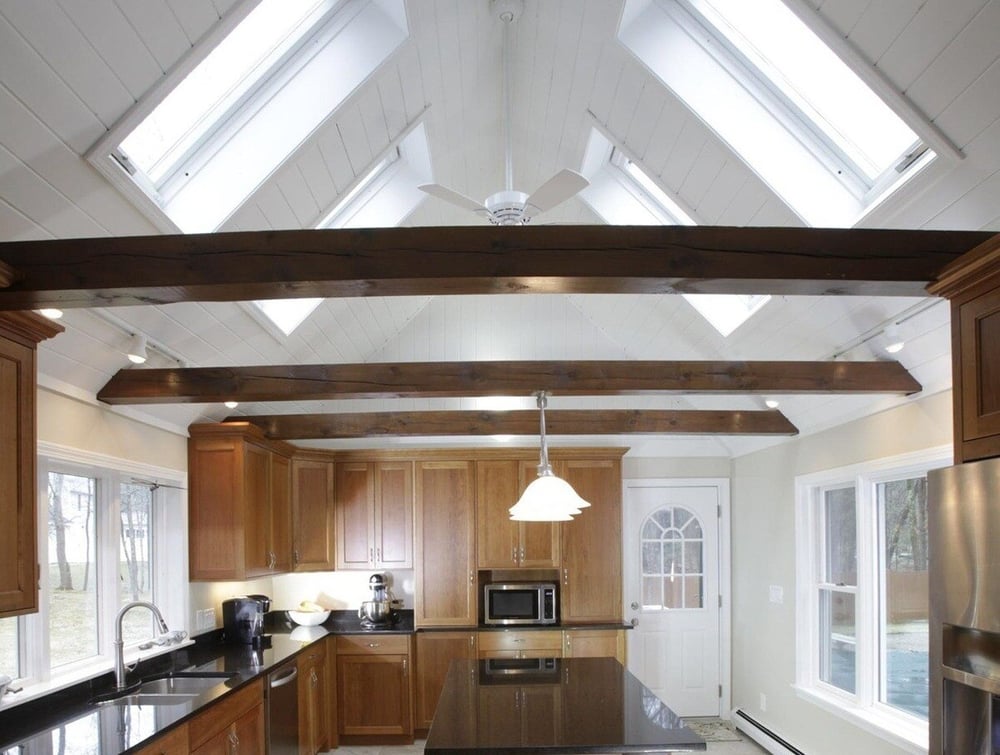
(673, 544)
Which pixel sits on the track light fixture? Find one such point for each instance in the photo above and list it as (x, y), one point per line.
(137, 349)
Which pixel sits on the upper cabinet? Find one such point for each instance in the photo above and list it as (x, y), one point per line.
(592, 543)
(501, 543)
(312, 513)
(972, 284)
(374, 511)
(20, 333)
(445, 593)
(239, 503)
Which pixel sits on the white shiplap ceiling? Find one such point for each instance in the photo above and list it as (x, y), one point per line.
(69, 71)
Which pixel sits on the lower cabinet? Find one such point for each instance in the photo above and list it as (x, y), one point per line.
(232, 726)
(594, 643)
(174, 742)
(314, 719)
(530, 713)
(373, 685)
(435, 652)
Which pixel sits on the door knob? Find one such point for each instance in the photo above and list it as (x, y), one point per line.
(635, 606)
(635, 622)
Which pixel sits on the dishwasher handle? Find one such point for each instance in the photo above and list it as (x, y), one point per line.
(281, 681)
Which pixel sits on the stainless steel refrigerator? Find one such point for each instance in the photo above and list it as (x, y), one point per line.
(964, 533)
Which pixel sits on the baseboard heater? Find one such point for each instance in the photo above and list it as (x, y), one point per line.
(764, 736)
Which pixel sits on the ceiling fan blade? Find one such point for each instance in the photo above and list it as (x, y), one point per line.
(453, 197)
(556, 190)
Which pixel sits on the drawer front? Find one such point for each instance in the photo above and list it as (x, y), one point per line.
(548, 640)
(372, 644)
(220, 715)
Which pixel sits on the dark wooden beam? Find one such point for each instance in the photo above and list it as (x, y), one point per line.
(468, 379)
(557, 422)
(241, 266)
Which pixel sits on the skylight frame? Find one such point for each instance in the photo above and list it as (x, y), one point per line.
(758, 77)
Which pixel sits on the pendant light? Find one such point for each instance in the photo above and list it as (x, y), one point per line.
(548, 498)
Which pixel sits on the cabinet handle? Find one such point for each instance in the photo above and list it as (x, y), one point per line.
(378, 555)
(405, 671)
(522, 555)
(295, 555)
(373, 644)
(513, 555)
(271, 559)
(565, 576)
(371, 556)
(472, 579)
(518, 639)
(313, 678)
(472, 640)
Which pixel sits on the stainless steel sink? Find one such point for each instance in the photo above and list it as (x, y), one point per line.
(175, 689)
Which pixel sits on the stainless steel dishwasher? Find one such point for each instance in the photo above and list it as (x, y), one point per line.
(282, 698)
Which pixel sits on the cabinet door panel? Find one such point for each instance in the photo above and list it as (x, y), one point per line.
(539, 541)
(174, 742)
(354, 491)
(373, 694)
(312, 515)
(281, 513)
(215, 513)
(257, 517)
(435, 652)
(591, 543)
(446, 541)
(394, 515)
(979, 335)
(497, 489)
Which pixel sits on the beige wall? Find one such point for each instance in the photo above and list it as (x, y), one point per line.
(651, 468)
(77, 424)
(763, 503)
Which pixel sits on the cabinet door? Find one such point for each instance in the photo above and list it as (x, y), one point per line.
(435, 652)
(594, 643)
(497, 489)
(373, 694)
(257, 510)
(591, 544)
(394, 515)
(249, 732)
(446, 541)
(18, 582)
(540, 714)
(354, 492)
(313, 719)
(281, 513)
(977, 371)
(312, 516)
(174, 742)
(215, 513)
(539, 541)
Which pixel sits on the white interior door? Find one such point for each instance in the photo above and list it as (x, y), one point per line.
(671, 538)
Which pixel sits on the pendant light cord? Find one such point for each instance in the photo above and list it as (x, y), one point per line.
(544, 468)
(508, 19)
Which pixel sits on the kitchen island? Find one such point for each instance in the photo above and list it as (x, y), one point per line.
(552, 706)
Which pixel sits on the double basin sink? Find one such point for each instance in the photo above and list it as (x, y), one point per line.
(175, 688)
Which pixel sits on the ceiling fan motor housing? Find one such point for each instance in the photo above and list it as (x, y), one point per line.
(507, 208)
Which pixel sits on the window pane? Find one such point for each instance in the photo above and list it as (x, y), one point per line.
(837, 639)
(72, 568)
(135, 551)
(903, 545)
(9, 664)
(841, 539)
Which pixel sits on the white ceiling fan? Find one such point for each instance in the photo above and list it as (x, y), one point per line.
(511, 207)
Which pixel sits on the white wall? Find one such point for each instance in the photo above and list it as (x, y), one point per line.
(763, 501)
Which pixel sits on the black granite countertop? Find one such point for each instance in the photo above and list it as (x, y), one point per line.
(66, 721)
(552, 706)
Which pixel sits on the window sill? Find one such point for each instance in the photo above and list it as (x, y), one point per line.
(909, 736)
(81, 672)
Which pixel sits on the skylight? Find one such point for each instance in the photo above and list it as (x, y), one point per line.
(211, 134)
(786, 103)
(624, 194)
(287, 314)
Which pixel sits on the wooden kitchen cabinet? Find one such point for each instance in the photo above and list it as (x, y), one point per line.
(314, 719)
(239, 503)
(20, 333)
(174, 742)
(232, 726)
(591, 547)
(445, 574)
(435, 652)
(374, 511)
(524, 643)
(594, 643)
(313, 542)
(373, 685)
(501, 543)
(533, 712)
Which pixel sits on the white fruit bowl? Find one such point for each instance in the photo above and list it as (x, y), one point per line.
(308, 618)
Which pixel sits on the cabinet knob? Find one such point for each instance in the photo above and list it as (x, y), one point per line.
(295, 555)
(373, 644)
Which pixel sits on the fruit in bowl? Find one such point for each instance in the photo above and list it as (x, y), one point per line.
(309, 614)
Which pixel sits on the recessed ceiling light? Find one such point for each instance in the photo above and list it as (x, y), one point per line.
(51, 312)
(231, 404)
(772, 403)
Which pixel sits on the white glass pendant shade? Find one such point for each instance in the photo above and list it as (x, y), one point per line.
(548, 498)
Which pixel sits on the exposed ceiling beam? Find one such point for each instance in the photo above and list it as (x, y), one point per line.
(557, 422)
(314, 382)
(241, 266)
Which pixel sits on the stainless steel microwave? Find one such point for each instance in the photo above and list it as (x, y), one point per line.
(520, 603)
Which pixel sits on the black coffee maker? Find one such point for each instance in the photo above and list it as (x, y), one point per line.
(243, 619)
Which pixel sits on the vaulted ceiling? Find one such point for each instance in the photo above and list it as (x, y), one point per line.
(71, 71)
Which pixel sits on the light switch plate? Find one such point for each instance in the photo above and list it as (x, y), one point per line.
(777, 594)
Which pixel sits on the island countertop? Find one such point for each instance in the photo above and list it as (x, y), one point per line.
(552, 706)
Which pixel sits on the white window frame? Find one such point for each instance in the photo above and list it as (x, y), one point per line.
(169, 565)
(863, 708)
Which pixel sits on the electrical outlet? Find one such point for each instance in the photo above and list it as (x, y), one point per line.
(763, 702)
(209, 619)
(777, 594)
